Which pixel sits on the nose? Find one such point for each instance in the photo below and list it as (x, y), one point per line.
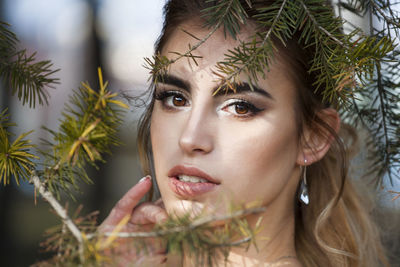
(197, 135)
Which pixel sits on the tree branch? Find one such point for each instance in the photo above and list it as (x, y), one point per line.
(196, 224)
(320, 27)
(397, 194)
(266, 37)
(384, 123)
(197, 45)
(380, 11)
(61, 212)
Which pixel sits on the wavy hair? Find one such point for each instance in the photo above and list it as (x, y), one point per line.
(335, 229)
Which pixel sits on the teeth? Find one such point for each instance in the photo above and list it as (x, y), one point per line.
(191, 179)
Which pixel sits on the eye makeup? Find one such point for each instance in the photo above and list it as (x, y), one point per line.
(239, 107)
(171, 99)
(244, 103)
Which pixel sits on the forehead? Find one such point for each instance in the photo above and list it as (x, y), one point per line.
(190, 33)
(213, 50)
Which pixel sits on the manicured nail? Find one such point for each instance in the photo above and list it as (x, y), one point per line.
(144, 179)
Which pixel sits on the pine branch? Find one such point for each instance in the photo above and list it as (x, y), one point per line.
(397, 194)
(62, 242)
(246, 56)
(25, 77)
(88, 128)
(197, 237)
(15, 159)
(382, 109)
(378, 112)
(158, 65)
(322, 29)
(230, 13)
(200, 222)
(390, 21)
(61, 212)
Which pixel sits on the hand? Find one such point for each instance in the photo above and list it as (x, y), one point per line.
(143, 217)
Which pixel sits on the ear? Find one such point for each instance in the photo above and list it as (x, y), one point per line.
(317, 140)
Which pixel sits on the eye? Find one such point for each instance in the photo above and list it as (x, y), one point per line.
(171, 99)
(240, 108)
(178, 101)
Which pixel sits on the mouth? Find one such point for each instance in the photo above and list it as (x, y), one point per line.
(189, 182)
(191, 179)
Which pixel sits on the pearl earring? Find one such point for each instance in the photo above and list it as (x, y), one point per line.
(303, 193)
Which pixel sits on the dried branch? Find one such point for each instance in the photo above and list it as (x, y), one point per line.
(397, 194)
(61, 212)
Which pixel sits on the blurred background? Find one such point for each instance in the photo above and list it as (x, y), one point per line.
(79, 36)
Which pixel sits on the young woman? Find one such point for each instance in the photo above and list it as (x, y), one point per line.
(273, 141)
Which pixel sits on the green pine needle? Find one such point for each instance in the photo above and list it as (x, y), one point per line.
(24, 75)
(15, 157)
(88, 128)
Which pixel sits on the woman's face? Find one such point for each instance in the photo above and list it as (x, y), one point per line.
(238, 146)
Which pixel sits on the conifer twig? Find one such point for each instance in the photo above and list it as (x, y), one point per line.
(236, 243)
(384, 123)
(177, 229)
(380, 11)
(188, 53)
(61, 212)
(265, 39)
(197, 45)
(397, 194)
(330, 35)
(278, 15)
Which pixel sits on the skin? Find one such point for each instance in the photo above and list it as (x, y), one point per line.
(254, 154)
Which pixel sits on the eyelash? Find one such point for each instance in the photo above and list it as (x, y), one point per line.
(253, 110)
(164, 95)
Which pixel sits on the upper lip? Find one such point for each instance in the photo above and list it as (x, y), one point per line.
(191, 171)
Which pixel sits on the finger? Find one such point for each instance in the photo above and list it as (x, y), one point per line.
(148, 213)
(128, 253)
(159, 202)
(127, 203)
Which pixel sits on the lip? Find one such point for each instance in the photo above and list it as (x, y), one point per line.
(188, 189)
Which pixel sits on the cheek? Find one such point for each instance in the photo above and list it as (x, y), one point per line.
(159, 142)
(165, 130)
(161, 131)
(261, 159)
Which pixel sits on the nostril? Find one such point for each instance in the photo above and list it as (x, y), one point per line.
(197, 137)
(196, 143)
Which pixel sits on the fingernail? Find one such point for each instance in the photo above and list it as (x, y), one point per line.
(144, 179)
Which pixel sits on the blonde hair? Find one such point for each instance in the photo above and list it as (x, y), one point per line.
(335, 229)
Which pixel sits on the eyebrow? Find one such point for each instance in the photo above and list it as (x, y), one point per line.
(242, 87)
(173, 80)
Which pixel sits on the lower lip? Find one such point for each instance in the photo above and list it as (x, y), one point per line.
(187, 189)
